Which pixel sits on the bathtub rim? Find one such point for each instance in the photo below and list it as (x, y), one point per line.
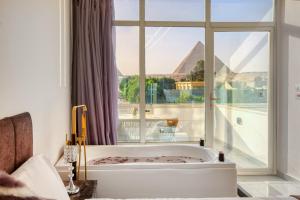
(213, 163)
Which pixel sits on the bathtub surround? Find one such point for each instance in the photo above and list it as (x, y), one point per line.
(94, 73)
(193, 179)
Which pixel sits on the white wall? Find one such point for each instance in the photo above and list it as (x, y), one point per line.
(34, 68)
(288, 154)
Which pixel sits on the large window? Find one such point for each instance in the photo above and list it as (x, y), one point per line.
(242, 10)
(174, 89)
(191, 69)
(174, 10)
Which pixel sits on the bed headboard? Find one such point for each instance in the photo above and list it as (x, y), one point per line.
(15, 141)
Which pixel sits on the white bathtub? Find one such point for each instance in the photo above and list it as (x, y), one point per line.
(154, 180)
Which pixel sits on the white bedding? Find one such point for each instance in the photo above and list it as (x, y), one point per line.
(41, 177)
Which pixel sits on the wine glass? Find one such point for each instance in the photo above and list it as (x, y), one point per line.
(70, 156)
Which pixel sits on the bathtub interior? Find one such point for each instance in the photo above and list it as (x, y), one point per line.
(153, 159)
(207, 155)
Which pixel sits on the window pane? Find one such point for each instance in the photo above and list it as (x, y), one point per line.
(241, 86)
(175, 108)
(127, 55)
(242, 10)
(174, 10)
(126, 9)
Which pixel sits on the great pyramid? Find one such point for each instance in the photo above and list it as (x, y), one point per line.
(190, 61)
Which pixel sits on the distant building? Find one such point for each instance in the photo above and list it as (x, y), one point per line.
(189, 85)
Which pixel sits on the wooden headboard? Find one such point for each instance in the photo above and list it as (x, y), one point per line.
(15, 141)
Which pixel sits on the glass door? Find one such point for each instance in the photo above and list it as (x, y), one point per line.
(241, 97)
(174, 84)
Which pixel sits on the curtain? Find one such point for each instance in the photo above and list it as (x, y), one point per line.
(94, 73)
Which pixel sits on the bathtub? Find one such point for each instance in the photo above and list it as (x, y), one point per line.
(210, 178)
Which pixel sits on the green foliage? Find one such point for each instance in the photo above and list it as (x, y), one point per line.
(184, 97)
(197, 74)
(123, 87)
(159, 84)
(129, 88)
(198, 99)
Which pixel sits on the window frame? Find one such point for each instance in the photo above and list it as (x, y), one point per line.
(210, 28)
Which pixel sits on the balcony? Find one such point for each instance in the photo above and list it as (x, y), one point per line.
(241, 130)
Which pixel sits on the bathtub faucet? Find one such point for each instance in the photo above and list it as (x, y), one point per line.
(80, 139)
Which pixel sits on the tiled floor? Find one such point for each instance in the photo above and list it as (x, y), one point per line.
(267, 186)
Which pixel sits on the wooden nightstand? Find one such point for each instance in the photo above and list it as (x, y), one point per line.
(87, 189)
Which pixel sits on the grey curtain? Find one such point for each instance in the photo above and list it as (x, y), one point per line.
(94, 73)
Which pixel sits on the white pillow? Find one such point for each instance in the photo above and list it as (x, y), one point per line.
(41, 177)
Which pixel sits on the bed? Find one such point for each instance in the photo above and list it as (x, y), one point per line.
(16, 145)
(35, 173)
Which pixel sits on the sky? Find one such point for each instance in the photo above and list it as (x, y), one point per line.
(166, 47)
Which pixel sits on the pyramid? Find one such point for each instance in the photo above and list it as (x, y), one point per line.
(190, 61)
